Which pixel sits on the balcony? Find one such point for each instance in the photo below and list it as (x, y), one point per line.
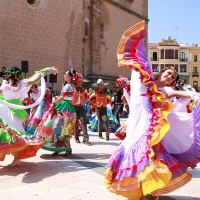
(183, 59)
(154, 59)
(195, 74)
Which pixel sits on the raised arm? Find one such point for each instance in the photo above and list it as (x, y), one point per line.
(38, 74)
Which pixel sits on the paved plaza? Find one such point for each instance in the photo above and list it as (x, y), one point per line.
(76, 177)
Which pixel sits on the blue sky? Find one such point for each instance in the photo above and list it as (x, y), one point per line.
(165, 15)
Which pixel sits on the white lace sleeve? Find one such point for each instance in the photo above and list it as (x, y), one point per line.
(3, 85)
(166, 90)
(23, 83)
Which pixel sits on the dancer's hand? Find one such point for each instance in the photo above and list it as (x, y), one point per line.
(53, 105)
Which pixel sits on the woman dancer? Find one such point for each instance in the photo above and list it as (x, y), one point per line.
(61, 142)
(125, 84)
(157, 150)
(13, 138)
(38, 111)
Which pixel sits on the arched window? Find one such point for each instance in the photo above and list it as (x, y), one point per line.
(155, 56)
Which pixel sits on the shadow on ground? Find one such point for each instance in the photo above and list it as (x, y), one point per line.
(36, 172)
(83, 159)
(175, 198)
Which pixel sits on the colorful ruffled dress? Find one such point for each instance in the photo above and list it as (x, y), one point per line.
(38, 111)
(112, 120)
(13, 137)
(161, 143)
(56, 129)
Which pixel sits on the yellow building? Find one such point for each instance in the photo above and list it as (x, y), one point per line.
(195, 66)
(170, 53)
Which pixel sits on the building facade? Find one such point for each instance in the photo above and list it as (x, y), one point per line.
(79, 34)
(170, 53)
(195, 66)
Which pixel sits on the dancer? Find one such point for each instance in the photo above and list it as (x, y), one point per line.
(13, 138)
(125, 84)
(101, 98)
(112, 121)
(80, 95)
(118, 103)
(161, 139)
(38, 111)
(60, 143)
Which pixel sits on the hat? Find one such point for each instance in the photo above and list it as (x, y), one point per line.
(189, 88)
(99, 81)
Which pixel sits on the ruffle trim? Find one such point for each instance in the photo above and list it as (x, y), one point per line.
(191, 157)
(20, 141)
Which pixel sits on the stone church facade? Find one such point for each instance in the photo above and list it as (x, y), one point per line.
(79, 34)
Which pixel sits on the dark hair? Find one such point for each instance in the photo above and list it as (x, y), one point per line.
(71, 73)
(34, 85)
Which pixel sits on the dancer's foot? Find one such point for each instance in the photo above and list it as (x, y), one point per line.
(55, 153)
(86, 142)
(107, 138)
(78, 141)
(154, 198)
(100, 137)
(15, 163)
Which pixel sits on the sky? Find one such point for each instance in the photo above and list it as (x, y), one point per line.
(179, 19)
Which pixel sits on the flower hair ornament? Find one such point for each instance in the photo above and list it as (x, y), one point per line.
(79, 77)
(179, 84)
(123, 82)
(14, 72)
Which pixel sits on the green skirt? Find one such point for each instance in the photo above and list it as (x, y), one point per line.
(65, 105)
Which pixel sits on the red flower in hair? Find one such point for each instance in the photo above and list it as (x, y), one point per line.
(76, 76)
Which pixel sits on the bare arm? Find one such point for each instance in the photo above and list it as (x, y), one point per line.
(57, 100)
(42, 72)
(175, 93)
(34, 80)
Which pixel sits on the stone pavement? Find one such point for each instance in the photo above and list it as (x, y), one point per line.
(76, 177)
